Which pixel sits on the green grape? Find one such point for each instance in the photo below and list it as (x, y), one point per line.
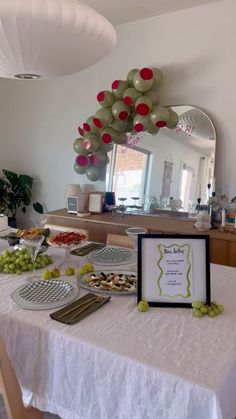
(220, 308)
(211, 313)
(196, 304)
(17, 261)
(204, 309)
(197, 312)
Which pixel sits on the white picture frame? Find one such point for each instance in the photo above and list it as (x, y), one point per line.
(95, 202)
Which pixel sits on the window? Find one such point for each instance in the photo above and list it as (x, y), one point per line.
(186, 185)
(127, 173)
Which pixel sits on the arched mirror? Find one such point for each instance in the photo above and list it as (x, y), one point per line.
(174, 164)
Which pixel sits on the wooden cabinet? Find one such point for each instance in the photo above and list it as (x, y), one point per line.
(222, 245)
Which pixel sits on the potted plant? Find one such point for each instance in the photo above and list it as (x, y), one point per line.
(16, 192)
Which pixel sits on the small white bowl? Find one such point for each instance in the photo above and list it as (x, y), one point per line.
(133, 233)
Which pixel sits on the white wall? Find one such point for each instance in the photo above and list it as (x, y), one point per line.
(164, 149)
(195, 48)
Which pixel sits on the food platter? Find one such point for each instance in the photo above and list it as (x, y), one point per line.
(66, 239)
(111, 255)
(109, 283)
(43, 295)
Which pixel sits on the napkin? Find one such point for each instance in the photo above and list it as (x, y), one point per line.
(79, 309)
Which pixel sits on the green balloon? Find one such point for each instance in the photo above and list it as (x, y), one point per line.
(93, 173)
(121, 138)
(142, 84)
(152, 129)
(100, 158)
(130, 96)
(89, 126)
(130, 76)
(118, 88)
(143, 105)
(102, 118)
(79, 169)
(92, 143)
(120, 110)
(159, 116)
(173, 119)
(141, 123)
(106, 98)
(107, 147)
(157, 77)
(78, 146)
(153, 95)
(108, 134)
(119, 125)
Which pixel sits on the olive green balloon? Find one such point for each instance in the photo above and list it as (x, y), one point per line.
(130, 123)
(80, 169)
(104, 115)
(121, 138)
(143, 105)
(120, 110)
(173, 119)
(100, 158)
(141, 123)
(106, 98)
(93, 128)
(157, 77)
(95, 143)
(153, 95)
(152, 129)
(130, 96)
(118, 88)
(119, 125)
(140, 84)
(159, 114)
(130, 76)
(78, 146)
(93, 173)
(107, 147)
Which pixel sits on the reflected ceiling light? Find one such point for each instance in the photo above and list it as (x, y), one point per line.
(197, 124)
(51, 38)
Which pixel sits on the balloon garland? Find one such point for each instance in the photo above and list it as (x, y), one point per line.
(131, 106)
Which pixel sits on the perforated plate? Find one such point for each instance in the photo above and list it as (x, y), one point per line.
(112, 256)
(42, 295)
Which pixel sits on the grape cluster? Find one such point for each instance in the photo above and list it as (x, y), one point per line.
(18, 261)
(200, 309)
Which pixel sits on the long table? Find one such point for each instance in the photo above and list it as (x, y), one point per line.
(119, 363)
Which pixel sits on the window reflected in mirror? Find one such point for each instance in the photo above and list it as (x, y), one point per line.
(127, 174)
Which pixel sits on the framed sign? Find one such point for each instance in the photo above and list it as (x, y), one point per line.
(173, 270)
(95, 202)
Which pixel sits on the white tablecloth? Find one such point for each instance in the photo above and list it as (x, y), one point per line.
(119, 363)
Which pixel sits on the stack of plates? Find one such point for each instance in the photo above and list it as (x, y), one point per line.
(42, 295)
(112, 256)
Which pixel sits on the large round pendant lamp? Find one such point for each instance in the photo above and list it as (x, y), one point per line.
(51, 38)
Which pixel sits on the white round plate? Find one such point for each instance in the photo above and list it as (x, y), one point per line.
(84, 284)
(111, 255)
(44, 295)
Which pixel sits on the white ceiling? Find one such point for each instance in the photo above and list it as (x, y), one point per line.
(121, 11)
